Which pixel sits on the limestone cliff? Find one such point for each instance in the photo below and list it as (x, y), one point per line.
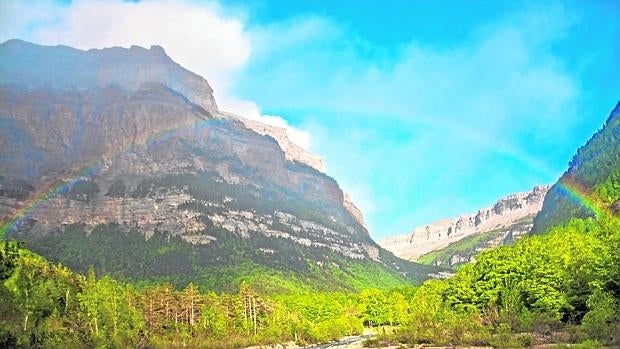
(292, 151)
(134, 136)
(63, 67)
(349, 205)
(504, 217)
(132, 141)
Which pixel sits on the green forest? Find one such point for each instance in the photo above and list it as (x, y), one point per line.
(560, 287)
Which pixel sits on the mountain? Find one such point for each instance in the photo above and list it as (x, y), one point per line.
(62, 67)
(120, 159)
(457, 240)
(291, 150)
(591, 183)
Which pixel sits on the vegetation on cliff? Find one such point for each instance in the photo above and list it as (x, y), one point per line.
(594, 171)
(274, 266)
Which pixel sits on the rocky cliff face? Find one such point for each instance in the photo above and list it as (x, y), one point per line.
(292, 151)
(134, 136)
(132, 140)
(130, 69)
(501, 217)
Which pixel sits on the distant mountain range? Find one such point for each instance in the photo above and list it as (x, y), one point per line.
(120, 159)
(588, 188)
(457, 240)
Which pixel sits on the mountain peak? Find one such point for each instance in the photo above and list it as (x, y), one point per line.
(32, 65)
(156, 49)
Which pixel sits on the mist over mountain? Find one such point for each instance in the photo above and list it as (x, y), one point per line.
(120, 159)
(64, 67)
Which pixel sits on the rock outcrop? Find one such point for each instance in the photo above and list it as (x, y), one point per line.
(354, 210)
(292, 151)
(501, 216)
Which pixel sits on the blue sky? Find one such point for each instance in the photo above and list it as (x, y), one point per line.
(421, 110)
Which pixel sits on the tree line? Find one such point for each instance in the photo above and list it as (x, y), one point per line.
(560, 287)
(563, 286)
(47, 305)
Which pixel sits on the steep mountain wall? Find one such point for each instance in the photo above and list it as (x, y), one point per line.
(64, 67)
(98, 156)
(292, 151)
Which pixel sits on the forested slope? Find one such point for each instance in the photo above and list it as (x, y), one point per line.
(592, 179)
(47, 305)
(561, 287)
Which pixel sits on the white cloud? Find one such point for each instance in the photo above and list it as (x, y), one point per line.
(251, 110)
(493, 100)
(477, 118)
(199, 36)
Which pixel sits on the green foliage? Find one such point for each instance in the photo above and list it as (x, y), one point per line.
(594, 171)
(220, 266)
(108, 311)
(542, 285)
(118, 189)
(602, 321)
(562, 286)
(46, 305)
(15, 188)
(83, 190)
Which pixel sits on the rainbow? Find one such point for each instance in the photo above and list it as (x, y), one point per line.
(50, 190)
(579, 196)
(89, 170)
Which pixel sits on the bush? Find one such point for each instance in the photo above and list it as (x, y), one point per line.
(600, 322)
(545, 324)
(83, 190)
(371, 343)
(117, 189)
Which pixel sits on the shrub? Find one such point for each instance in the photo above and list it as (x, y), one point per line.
(600, 322)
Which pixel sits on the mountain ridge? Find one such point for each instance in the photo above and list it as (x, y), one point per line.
(502, 216)
(146, 159)
(590, 182)
(67, 67)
